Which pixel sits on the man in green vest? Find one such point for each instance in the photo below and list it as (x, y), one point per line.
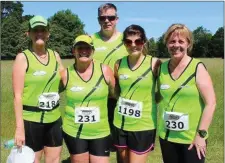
(108, 44)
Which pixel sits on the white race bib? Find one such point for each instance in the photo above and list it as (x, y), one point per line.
(47, 101)
(176, 121)
(130, 108)
(87, 115)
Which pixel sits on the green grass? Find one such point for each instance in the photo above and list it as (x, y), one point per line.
(216, 139)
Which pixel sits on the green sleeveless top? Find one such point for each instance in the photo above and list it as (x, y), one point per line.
(40, 79)
(108, 52)
(136, 107)
(86, 113)
(186, 101)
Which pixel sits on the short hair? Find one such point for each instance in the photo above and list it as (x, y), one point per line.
(182, 30)
(135, 30)
(105, 7)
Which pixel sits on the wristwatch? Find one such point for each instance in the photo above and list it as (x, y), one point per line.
(203, 134)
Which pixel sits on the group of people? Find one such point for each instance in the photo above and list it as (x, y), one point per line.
(115, 94)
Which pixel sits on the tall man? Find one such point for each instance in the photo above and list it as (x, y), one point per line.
(108, 44)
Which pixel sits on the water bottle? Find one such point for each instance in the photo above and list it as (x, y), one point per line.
(9, 144)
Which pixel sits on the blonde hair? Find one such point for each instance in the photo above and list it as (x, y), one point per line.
(181, 29)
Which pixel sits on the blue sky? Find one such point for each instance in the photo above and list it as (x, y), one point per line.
(154, 17)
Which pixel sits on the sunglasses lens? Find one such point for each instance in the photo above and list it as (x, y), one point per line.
(127, 42)
(139, 42)
(86, 48)
(111, 18)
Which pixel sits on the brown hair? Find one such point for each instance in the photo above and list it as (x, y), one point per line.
(105, 7)
(181, 29)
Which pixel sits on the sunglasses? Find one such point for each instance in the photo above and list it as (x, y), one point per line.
(103, 18)
(137, 42)
(39, 30)
(84, 48)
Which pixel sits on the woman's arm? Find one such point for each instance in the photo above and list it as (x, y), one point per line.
(205, 87)
(155, 70)
(18, 76)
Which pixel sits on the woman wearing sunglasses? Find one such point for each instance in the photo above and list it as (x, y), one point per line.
(87, 85)
(135, 114)
(36, 80)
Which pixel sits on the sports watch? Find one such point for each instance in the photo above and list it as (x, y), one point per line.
(203, 134)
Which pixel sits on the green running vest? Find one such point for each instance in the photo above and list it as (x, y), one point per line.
(137, 85)
(187, 101)
(108, 52)
(40, 78)
(92, 93)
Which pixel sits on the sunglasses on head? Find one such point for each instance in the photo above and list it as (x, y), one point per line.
(137, 42)
(103, 18)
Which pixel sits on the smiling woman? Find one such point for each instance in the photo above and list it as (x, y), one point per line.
(87, 83)
(36, 80)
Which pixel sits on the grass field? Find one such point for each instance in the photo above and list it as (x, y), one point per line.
(215, 151)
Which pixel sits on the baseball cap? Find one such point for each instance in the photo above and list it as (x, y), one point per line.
(83, 38)
(38, 21)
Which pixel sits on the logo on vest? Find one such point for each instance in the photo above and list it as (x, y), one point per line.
(39, 73)
(76, 89)
(173, 117)
(164, 86)
(123, 77)
(100, 48)
(184, 86)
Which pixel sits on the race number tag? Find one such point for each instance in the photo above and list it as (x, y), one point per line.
(48, 100)
(87, 115)
(176, 121)
(130, 108)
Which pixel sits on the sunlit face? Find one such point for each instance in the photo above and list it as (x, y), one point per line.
(83, 52)
(134, 45)
(39, 35)
(108, 23)
(177, 45)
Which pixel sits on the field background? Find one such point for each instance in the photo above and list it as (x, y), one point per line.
(215, 150)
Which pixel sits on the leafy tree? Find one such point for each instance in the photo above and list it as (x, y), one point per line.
(161, 48)
(64, 27)
(202, 38)
(216, 46)
(152, 47)
(11, 8)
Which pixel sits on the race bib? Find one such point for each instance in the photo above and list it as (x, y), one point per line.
(87, 115)
(176, 121)
(48, 100)
(130, 108)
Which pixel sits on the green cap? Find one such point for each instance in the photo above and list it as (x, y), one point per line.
(38, 21)
(83, 38)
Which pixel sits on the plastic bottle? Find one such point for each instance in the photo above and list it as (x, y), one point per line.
(9, 144)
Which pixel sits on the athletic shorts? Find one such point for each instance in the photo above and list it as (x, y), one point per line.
(96, 147)
(38, 135)
(111, 107)
(139, 142)
(178, 153)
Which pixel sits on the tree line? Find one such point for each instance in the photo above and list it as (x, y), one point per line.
(65, 26)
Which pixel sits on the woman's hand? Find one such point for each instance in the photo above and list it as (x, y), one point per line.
(19, 137)
(200, 146)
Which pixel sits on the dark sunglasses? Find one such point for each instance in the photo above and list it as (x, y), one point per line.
(103, 18)
(81, 48)
(137, 42)
(39, 30)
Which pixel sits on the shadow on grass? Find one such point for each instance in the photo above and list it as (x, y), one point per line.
(66, 161)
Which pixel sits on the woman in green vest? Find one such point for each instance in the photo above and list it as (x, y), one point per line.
(135, 114)
(36, 78)
(187, 100)
(87, 85)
